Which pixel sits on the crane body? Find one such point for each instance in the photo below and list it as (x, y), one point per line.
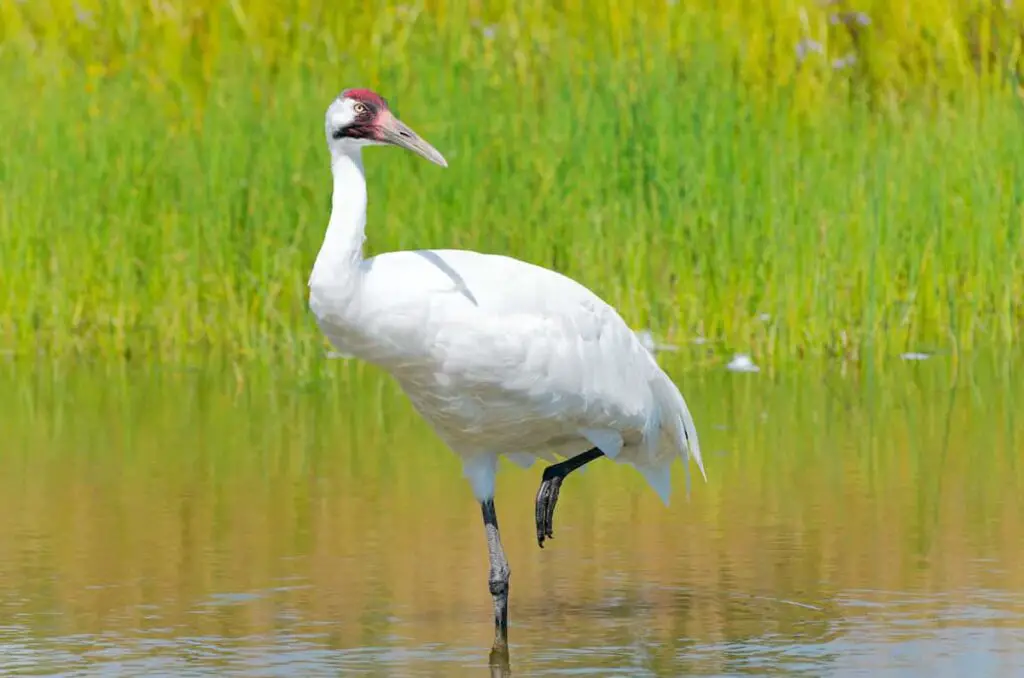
(501, 357)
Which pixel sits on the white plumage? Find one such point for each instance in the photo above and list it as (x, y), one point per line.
(503, 357)
(500, 356)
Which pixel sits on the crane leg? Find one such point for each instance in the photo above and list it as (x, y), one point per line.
(497, 581)
(551, 482)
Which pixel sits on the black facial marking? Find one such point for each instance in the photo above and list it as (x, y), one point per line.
(362, 127)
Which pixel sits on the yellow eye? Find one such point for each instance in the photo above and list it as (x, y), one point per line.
(359, 108)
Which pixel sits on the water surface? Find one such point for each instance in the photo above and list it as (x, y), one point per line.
(208, 522)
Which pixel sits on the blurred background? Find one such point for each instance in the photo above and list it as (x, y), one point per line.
(815, 207)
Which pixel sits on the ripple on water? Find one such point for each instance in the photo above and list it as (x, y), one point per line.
(270, 533)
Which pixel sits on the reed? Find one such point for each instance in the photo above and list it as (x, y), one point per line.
(726, 171)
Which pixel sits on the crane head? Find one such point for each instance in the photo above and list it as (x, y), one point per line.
(361, 117)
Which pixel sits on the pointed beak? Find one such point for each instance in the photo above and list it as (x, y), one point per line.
(394, 131)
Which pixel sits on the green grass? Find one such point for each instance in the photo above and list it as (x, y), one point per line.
(163, 190)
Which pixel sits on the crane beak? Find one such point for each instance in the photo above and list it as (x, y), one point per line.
(394, 131)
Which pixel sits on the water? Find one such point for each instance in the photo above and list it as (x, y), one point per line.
(234, 522)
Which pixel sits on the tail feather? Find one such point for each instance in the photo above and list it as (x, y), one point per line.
(657, 476)
(678, 422)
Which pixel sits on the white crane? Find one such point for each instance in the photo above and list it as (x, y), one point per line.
(501, 357)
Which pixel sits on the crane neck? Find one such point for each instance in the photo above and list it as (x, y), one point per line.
(337, 264)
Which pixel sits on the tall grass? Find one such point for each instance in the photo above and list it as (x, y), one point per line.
(784, 179)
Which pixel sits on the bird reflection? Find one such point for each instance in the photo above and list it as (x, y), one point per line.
(499, 662)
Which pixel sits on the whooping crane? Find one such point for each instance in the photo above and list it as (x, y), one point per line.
(499, 356)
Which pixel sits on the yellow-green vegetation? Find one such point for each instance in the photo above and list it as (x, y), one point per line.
(783, 178)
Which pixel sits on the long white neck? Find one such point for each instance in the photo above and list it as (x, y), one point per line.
(337, 264)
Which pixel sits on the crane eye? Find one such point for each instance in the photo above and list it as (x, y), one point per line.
(359, 108)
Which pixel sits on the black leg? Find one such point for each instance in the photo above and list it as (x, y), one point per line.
(550, 483)
(497, 580)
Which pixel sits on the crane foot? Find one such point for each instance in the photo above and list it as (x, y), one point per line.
(547, 497)
(551, 482)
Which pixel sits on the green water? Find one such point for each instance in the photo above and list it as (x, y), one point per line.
(227, 522)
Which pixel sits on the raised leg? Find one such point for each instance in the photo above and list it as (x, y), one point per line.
(550, 483)
(497, 581)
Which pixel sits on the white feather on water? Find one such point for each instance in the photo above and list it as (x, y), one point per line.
(741, 362)
(915, 355)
